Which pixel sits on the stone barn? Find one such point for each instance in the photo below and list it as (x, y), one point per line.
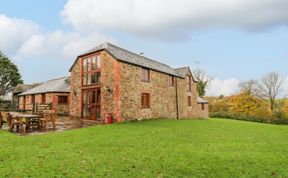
(55, 93)
(109, 80)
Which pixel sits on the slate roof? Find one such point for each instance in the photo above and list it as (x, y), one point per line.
(183, 71)
(55, 85)
(132, 58)
(201, 100)
(23, 87)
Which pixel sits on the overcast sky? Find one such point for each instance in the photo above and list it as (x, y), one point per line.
(234, 40)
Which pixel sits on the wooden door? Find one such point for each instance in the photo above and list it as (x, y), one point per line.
(91, 104)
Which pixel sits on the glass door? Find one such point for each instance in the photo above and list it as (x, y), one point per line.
(91, 104)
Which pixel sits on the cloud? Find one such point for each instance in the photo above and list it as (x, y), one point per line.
(22, 39)
(174, 19)
(59, 45)
(14, 32)
(284, 88)
(223, 87)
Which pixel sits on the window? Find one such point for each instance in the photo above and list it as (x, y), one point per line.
(188, 78)
(98, 96)
(33, 99)
(203, 106)
(95, 62)
(62, 99)
(145, 75)
(189, 101)
(91, 70)
(171, 80)
(43, 98)
(145, 100)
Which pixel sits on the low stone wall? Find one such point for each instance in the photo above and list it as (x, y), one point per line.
(63, 109)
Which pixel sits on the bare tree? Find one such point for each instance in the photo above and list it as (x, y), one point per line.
(251, 87)
(271, 87)
(203, 80)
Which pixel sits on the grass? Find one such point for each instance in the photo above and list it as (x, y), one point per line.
(159, 148)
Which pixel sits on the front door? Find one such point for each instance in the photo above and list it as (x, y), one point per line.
(91, 104)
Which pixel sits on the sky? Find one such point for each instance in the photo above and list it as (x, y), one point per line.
(233, 40)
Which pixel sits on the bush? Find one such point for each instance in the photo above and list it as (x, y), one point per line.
(227, 115)
(280, 121)
(280, 117)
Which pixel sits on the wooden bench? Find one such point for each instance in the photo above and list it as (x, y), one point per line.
(39, 108)
(48, 116)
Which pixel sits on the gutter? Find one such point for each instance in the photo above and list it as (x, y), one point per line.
(177, 107)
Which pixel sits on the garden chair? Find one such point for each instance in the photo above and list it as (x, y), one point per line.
(3, 119)
(15, 122)
(48, 116)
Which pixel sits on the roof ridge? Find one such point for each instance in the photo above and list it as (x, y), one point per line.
(56, 79)
(137, 54)
(24, 84)
(125, 55)
(181, 67)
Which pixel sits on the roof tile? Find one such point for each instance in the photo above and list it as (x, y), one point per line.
(55, 85)
(132, 58)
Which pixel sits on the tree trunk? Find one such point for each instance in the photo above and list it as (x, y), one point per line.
(272, 105)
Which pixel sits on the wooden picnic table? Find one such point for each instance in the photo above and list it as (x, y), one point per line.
(25, 119)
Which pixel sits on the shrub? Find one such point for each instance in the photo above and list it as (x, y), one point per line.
(277, 117)
(280, 117)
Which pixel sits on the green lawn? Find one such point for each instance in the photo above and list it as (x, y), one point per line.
(160, 148)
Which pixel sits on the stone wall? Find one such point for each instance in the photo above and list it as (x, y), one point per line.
(162, 96)
(200, 113)
(49, 98)
(195, 110)
(63, 109)
(110, 87)
(186, 111)
(75, 90)
(121, 89)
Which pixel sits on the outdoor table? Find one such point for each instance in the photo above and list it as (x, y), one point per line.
(24, 116)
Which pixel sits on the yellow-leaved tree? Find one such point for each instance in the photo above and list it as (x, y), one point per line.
(245, 103)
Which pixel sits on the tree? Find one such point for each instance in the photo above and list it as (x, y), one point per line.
(9, 75)
(271, 86)
(244, 103)
(203, 80)
(251, 87)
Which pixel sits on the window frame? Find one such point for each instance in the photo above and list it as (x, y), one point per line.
(33, 99)
(90, 74)
(188, 83)
(43, 98)
(171, 80)
(145, 78)
(62, 101)
(203, 106)
(148, 99)
(189, 102)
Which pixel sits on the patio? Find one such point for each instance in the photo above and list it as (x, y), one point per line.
(62, 123)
